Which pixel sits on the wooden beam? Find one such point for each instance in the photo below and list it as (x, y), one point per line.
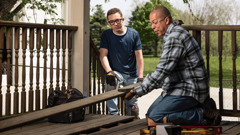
(37, 115)
(35, 25)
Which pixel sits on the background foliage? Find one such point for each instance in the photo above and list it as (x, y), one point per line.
(98, 23)
(140, 22)
(210, 13)
(11, 8)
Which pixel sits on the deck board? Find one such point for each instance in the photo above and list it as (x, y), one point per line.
(124, 129)
(36, 122)
(41, 123)
(232, 128)
(41, 114)
(91, 122)
(55, 127)
(99, 125)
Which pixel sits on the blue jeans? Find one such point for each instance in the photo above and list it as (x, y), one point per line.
(112, 104)
(179, 110)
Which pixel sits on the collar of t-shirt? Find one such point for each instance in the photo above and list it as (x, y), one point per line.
(124, 32)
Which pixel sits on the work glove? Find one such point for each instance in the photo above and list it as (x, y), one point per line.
(130, 95)
(139, 80)
(111, 78)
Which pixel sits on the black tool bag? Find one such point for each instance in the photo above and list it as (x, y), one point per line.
(58, 97)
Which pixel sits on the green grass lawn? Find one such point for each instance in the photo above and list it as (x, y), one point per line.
(151, 62)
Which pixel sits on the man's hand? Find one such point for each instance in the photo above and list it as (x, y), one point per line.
(130, 95)
(139, 80)
(111, 78)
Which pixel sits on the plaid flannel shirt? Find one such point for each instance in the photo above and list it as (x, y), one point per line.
(181, 70)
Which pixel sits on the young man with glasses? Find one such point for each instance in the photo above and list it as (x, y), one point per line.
(121, 57)
(182, 75)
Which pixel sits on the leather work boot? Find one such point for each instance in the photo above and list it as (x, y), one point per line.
(206, 122)
(211, 113)
(210, 103)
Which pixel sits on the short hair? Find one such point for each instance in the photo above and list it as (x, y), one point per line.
(113, 11)
(162, 12)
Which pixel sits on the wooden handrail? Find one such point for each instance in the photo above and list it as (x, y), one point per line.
(212, 27)
(35, 25)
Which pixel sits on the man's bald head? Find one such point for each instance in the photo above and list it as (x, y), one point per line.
(162, 12)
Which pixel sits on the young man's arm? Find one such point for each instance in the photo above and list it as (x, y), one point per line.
(140, 64)
(104, 59)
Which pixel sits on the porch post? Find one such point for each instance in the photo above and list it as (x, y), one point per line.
(78, 15)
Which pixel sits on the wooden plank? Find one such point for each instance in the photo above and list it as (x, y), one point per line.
(212, 27)
(32, 126)
(124, 129)
(231, 128)
(44, 125)
(94, 124)
(48, 128)
(37, 115)
(135, 133)
(35, 25)
(128, 88)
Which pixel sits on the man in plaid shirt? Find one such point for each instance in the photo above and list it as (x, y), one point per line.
(182, 75)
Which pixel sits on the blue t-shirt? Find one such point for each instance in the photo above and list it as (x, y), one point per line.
(121, 50)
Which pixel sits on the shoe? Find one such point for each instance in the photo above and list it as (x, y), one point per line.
(217, 120)
(213, 115)
(210, 112)
(206, 122)
(210, 103)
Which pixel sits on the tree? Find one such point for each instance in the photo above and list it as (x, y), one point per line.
(210, 12)
(7, 10)
(140, 22)
(98, 23)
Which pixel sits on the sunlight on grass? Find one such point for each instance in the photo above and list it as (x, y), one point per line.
(151, 62)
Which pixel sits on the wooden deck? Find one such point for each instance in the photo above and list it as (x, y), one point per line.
(93, 124)
(98, 125)
(36, 122)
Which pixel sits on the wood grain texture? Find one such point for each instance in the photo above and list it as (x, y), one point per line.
(37, 115)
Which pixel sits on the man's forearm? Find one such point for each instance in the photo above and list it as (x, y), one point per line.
(140, 64)
(140, 70)
(105, 64)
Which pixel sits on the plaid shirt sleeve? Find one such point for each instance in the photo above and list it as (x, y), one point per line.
(172, 52)
(181, 70)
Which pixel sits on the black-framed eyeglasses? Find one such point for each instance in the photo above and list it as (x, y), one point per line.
(112, 22)
(156, 21)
